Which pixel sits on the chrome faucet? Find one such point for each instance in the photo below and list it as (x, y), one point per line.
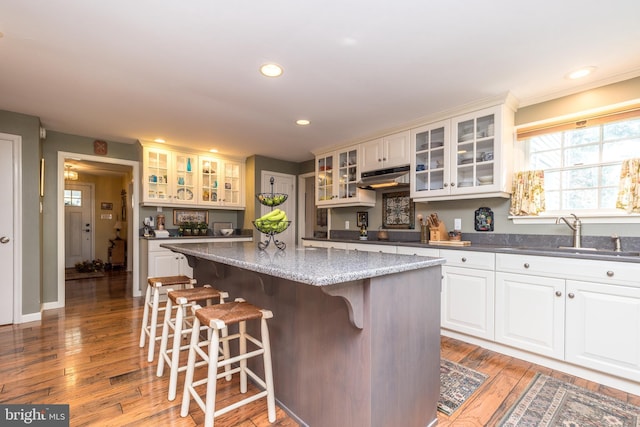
(576, 226)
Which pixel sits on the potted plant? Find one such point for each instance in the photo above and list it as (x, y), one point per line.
(202, 226)
(187, 228)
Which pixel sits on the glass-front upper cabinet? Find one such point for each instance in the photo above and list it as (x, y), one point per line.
(209, 180)
(324, 179)
(475, 150)
(232, 184)
(185, 179)
(348, 174)
(155, 180)
(430, 162)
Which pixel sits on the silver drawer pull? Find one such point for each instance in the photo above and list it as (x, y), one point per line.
(571, 295)
(558, 293)
(610, 273)
(526, 265)
(464, 259)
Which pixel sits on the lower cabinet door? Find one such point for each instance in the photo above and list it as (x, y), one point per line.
(468, 301)
(164, 263)
(530, 313)
(603, 328)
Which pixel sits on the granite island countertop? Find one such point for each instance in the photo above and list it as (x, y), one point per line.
(312, 266)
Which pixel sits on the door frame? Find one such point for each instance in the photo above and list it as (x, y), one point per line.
(135, 219)
(302, 220)
(16, 145)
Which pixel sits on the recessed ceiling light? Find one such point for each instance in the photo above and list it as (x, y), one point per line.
(302, 122)
(160, 140)
(271, 70)
(581, 72)
(213, 150)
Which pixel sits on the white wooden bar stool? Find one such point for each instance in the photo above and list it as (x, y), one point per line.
(179, 326)
(218, 318)
(152, 306)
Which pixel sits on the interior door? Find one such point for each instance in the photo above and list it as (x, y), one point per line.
(6, 231)
(78, 220)
(283, 183)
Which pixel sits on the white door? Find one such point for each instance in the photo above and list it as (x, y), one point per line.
(6, 231)
(78, 214)
(283, 183)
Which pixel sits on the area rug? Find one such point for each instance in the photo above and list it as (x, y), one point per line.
(457, 383)
(73, 274)
(552, 402)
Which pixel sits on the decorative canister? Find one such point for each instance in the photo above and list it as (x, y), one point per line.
(160, 222)
(424, 234)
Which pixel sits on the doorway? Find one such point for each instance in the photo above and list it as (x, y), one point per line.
(131, 210)
(78, 222)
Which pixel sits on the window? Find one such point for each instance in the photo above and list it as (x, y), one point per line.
(73, 198)
(582, 160)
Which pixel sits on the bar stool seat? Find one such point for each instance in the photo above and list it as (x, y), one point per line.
(218, 318)
(180, 326)
(152, 306)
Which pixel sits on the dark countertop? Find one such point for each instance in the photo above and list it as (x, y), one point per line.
(516, 250)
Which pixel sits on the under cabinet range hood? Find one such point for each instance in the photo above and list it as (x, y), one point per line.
(385, 178)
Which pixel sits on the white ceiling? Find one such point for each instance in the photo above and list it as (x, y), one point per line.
(187, 71)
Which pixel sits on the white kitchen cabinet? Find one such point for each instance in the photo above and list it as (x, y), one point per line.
(337, 174)
(220, 182)
(430, 160)
(412, 250)
(476, 158)
(186, 179)
(529, 313)
(386, 152)
(468, 289)
(169, 177)
(603, 327)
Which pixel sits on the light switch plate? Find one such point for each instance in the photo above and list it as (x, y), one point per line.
(457, 224)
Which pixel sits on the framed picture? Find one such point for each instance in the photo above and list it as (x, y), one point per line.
(398, 210)
(189, 215)
(363, 219)
(106, 206)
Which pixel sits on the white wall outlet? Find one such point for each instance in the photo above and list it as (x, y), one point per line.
(159, 209)
(346, 225)
(457, 224)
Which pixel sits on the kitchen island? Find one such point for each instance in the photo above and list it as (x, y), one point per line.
(355, 335)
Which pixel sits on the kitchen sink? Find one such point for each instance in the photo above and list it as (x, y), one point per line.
(569, 249)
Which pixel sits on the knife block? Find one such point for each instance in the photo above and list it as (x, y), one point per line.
(438, 233)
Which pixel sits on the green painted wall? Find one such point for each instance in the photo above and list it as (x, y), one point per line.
(28, 127)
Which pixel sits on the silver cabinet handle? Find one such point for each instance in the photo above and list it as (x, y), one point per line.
(558, 293)
(453, 184)
(526, 265)
(464, 259)
(571, 295)
(4, 239)
(609, 273)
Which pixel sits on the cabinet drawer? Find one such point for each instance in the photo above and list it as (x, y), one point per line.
(579, 269)
(410, 250)
(470, 259)
(371, 247)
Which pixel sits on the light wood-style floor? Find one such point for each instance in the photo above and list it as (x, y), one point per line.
(87, 355)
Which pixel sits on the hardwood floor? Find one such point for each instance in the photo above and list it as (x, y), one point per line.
(87, 355)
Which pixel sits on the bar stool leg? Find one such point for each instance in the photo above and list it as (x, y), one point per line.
(175, 352)
(210, 398)
(145, 316)
(242, 345)
(268, 371)
(191, 362)
(165, 335)
(154, 324)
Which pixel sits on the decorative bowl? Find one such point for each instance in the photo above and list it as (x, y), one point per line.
(226, 231)
(274, 199)
(270, 227)
(485, 179)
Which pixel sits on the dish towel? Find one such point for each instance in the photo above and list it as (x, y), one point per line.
(629, 187)
(527, 196)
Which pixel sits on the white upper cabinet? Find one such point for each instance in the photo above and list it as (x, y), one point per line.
(387, 152)
(220, 182)
(187, 179)
(474, 160)
(337, 174)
